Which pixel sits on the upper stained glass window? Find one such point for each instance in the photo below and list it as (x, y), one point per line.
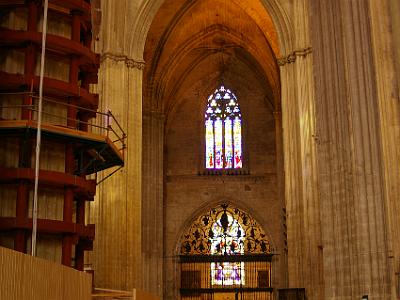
(223, 131)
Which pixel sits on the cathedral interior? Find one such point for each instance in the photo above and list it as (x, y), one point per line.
(200, 149)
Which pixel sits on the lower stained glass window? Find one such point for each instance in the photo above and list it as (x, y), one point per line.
(227, 238)
(227, 273)
(219, 233)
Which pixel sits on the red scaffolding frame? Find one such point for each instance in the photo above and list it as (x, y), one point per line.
(93, 141)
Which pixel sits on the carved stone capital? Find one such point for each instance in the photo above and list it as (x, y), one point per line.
(291, 58)
(130, 62)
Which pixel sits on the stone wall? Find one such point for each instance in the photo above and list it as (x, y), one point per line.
(188, 191)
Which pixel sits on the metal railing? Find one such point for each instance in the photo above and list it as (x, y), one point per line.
(102, 123)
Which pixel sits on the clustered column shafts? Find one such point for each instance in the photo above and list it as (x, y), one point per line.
(70, 229)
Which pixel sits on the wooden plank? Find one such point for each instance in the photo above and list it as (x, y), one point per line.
(26, 277)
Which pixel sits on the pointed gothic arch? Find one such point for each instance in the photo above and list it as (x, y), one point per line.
(225, 250)
(292, 86)
(149, 8)
(225, 219)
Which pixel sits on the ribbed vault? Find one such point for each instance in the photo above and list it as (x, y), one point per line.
(193, 40)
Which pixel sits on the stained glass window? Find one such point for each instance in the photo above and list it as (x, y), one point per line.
(219, 249)
(227, 238)
(223, 124)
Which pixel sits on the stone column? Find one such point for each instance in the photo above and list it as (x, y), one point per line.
(117, 208)
(355, 249)
(116, 211)
(305, 267)
(301, 185)
(152, 204)
(280, 180)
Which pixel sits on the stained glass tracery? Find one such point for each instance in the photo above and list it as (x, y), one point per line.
(223, 131)
(225, 231)
(227, 239)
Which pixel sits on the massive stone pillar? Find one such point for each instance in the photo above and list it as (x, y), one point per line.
(117, 250)
(305, 267)
(349, 131)
(117, 259)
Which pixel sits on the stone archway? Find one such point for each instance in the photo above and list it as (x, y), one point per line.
(278, 17)
(297, 104)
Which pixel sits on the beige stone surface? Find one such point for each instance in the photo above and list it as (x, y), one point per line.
(117, 209)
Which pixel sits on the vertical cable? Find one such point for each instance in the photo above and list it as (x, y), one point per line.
(39, 132)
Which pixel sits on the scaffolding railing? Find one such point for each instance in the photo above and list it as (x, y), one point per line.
(102, 123)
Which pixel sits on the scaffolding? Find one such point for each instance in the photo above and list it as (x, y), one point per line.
(58, 108)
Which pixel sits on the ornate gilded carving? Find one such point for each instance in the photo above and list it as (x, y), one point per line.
(225, 230)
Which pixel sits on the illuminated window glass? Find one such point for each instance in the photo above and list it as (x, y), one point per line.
(237, 137)
(227, 238)
(220, 232)
(223, 131)
(218, 144)
(209, 144)
(228, 143)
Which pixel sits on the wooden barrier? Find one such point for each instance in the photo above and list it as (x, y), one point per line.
(26, 277)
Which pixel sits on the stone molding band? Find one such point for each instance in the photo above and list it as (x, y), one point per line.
(291, 58)
(130, 62)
